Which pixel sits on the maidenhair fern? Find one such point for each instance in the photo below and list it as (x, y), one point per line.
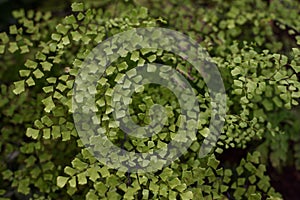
(43, 156)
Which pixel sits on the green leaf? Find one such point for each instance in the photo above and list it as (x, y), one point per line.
(70, 19)
(19, 87)
(30, 82)
(174, 182)
(40, 56)
(237, 59)
(47, 121)
(76, 36)
(4, 38)
(224, 188)
(135, 56)
(7, 174)
(187, 195)
(66, 135)
(61, 181)
(70, 171)
(56, 37)
(24, 73)
(2, 192)
(48, 89)
(151, 58)
(66, 40)
(93, 173)
(143, 12)
(278, 76)
(122, 66)
(13, 29)
(236, 71)
(49, 104)
(38, 124)
(91, 195)
(72, 182)
(78, 164)
(112, 181)
(153, 187)
(62, 29)
(18, 13)
(77, 7)
(104, 172)
(2, 49)
(166, 174)
(238, 83)
(267, 104)
(52, 47)
(56, 133)
(38, 73)
(205, 132)
(213, 162)
(13, 47)
(257, 196)
(46, 133)
(82, 178)
(80, 16)
(295, 66)
(31, 64)
(23, 186)
(61, 87)
(24, 49)
(33, 133)
(47, 15)
(46, 66)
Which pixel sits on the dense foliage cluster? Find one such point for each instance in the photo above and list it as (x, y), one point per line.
(255, 45)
